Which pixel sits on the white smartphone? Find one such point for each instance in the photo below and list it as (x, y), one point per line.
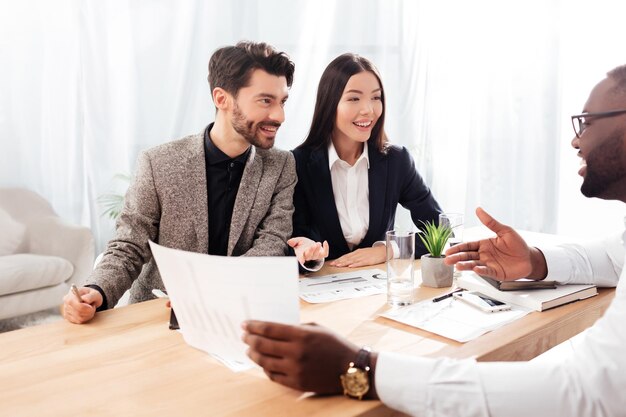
(481, 301)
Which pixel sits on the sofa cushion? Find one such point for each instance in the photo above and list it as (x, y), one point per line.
(23, 272)
(11, 233)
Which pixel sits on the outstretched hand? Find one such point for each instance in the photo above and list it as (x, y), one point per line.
(308, 250)
(505, 257)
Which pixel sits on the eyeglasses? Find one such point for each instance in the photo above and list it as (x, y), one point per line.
(579, 124)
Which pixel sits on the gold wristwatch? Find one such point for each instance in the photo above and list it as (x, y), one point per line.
(356, 381)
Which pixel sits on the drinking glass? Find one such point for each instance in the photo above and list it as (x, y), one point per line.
(400, 260)
(455, 222)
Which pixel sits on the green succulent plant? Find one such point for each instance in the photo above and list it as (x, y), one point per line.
(434, 237)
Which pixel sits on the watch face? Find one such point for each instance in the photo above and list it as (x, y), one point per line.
(355, 382)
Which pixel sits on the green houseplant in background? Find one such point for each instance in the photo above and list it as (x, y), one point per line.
(112, 203)
(435, 273)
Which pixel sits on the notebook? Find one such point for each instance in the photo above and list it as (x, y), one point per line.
(536, 299)
(520, 284)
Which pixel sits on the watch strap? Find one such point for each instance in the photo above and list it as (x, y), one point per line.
(362, 360)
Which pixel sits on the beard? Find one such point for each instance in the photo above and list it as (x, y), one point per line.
(606, 170)
(250, 130)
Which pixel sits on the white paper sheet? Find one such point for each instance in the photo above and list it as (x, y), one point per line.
(326, 288)
(453, 319)
(212, 295)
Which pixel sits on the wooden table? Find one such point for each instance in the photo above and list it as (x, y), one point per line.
(127, 363)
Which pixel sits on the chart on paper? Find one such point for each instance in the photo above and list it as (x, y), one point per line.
(342, 286)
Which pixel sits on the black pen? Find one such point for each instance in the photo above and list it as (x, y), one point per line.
(448, 295)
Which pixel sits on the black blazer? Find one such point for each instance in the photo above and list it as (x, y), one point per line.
(392, 179)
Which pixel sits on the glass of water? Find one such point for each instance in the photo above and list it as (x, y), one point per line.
(400, 260)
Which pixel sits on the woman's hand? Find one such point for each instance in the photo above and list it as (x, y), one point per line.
(362, 257)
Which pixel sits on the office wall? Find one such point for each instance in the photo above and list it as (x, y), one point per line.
(479, 91)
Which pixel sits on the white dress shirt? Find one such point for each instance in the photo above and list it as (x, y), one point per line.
(351, 191)
(588, 380)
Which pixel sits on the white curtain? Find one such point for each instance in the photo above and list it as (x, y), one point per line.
(479, 91)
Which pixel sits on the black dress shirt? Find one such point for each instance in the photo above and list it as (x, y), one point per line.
(223, 175)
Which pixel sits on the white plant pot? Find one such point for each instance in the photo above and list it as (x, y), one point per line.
(435, 273)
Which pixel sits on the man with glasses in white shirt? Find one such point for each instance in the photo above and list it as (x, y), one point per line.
(588, 380)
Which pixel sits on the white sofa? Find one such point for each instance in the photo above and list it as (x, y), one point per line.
(40, 254)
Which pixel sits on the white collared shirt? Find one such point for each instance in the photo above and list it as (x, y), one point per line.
(351, 191)
(588, 380)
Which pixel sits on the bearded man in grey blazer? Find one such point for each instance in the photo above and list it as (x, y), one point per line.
(224, 191)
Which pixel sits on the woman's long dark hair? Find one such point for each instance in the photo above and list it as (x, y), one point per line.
(329, 91)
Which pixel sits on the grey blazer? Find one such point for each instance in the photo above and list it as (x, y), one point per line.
(167, 203)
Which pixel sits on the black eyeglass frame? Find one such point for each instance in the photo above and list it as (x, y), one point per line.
(578, 118)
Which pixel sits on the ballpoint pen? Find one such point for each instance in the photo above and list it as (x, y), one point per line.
(448, 295)
(76, 293)
(160, 294)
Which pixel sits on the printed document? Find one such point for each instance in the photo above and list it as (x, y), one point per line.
(213, 295)
(453, 318)
(327, 288)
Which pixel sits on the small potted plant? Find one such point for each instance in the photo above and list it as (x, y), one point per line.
(435, 273)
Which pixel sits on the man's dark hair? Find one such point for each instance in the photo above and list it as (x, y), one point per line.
(231, 67)
(329, 92)
(618, 74)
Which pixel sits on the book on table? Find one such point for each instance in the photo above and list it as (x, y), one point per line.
(534, 299)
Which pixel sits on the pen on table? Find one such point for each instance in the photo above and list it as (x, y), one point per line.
(448, 295)
(76, 293)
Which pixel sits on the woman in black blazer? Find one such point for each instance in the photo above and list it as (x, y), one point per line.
(350, 178)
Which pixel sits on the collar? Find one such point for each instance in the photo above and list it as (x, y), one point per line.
(334, 157)
(215, 156)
